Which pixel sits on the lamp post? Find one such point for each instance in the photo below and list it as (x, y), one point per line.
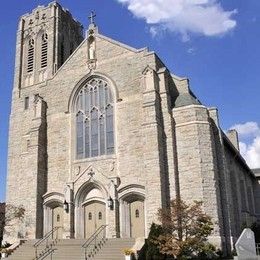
(66, 206)
(110, 203)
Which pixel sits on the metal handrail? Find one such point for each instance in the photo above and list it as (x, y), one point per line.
(45, 238)
(257, 247)
(94, 241)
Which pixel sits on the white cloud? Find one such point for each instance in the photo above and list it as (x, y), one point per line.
(247, 129)
(205, 17)
(250, 150)
(191, 51)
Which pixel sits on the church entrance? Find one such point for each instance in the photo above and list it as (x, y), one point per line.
(137, 219)
(132, 215)
(95, 216)
(57, 221)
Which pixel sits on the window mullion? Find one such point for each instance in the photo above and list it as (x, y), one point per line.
(84, 137)
(105, 130)
(98, 132)
(90, 135)
(98, 119)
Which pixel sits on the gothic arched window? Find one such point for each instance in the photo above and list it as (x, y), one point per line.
(94, 119)
(44, 50)
(30, 56)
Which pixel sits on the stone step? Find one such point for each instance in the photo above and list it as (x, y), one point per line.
(72, 249)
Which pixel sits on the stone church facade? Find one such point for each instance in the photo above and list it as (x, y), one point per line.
(104, 134)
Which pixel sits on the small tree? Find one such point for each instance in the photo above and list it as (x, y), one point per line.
(9, 214)
(185, 230)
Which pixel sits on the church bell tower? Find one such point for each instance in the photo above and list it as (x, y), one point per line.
(46, 37)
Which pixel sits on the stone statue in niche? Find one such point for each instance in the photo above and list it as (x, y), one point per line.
(91, 53)
(91, 42)
(91, 48)
(38, 106)
(67, 193)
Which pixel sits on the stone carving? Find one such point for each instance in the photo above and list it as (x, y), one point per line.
(245, 245)
(38, 106)
(91, 52)
(91, 43)
(78, 170)
(92, 17)
(91, 174)
(112, 166)
(37, 15)
(67, 193)
(92, 64)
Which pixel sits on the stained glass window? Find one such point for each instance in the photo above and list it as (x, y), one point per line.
(94, 119)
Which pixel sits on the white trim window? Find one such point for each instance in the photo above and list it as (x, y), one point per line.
(94, 120)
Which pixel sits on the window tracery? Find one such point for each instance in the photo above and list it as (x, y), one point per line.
(94, 120)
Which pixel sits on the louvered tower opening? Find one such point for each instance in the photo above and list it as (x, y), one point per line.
(30, 61)
(44, 51)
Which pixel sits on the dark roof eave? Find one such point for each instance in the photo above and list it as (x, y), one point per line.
(238, 156)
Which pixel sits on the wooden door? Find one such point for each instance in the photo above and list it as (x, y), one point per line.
(95, 216)
(137, 219)
(57, 221)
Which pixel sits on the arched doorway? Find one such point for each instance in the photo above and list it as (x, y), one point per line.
(94, 217)
(54, 213)
(132, 215)
(90, 209)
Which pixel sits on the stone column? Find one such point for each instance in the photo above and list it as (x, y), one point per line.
(226, 183)
(153, 156)
(113, 213)
(169, 131)
(19, 57)
(68, 215)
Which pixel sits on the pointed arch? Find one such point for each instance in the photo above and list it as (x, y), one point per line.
(88, 192)
(78, 87)
(94, 109)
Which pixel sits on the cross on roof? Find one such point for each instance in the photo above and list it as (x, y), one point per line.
(91, 17)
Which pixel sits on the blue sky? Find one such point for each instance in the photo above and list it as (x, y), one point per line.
(214, 43)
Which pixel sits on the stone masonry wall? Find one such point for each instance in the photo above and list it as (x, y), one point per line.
(198, 175)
